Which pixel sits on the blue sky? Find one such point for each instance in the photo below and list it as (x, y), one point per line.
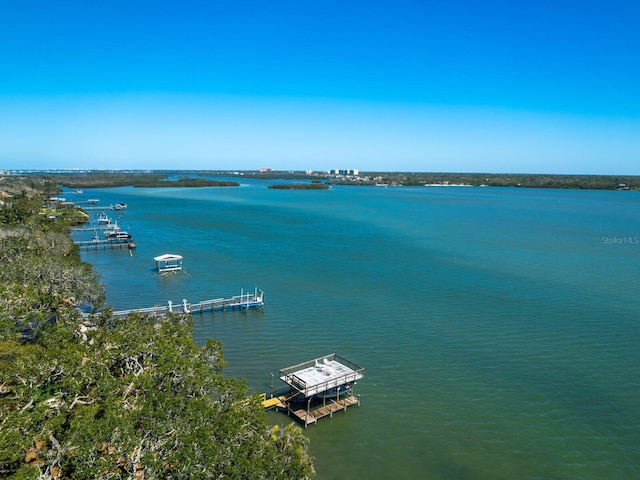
(459, 86)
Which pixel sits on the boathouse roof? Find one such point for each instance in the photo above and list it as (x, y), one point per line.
(166, 257)
(321, 374)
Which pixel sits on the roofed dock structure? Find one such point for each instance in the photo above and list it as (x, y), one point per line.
(328, 379)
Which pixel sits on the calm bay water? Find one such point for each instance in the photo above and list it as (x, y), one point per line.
(499, 328)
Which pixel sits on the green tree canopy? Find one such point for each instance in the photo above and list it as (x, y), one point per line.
(102, 397)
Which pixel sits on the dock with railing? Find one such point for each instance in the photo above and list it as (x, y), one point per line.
(319, 388)
(96, 244)
(242, 302)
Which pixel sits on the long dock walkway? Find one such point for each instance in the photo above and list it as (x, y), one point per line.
(105, 244)
(244, 301)
(92, 207)
(95, 227)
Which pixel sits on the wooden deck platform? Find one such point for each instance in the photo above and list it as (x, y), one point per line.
(274, 402)
(312, 416)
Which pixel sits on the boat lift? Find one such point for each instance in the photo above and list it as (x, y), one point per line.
(168, 263)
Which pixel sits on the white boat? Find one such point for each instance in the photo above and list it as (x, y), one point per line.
(119, 206)
(340, 391)
(112, 229)
(119, 236)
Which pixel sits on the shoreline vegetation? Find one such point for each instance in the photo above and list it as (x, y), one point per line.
(203, 178)
(102, 397)
(138, 179)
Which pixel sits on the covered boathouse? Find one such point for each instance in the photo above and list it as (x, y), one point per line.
(168, 263)
(320, 387)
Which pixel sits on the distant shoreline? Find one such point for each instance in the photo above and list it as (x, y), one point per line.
(193, 178)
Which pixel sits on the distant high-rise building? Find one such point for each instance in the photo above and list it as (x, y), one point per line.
(345, 171)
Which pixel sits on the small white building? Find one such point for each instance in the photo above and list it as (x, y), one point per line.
(345, 171)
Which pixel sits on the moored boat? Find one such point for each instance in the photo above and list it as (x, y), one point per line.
(118, 236)
(103, 219)
(330, 394)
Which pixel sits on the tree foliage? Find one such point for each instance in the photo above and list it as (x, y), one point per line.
(593, 182)
(135, 398)
(102, 397)
(107, 179)
(191, 178)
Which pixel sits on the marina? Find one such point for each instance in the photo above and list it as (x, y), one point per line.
(114, 236)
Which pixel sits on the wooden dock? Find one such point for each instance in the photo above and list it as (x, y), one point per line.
(95, 227)
(309, 416)
(242, 302)
(274, 402)
(92, 207)
(105, 244)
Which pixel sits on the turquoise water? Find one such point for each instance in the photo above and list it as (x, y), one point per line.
(499, 328)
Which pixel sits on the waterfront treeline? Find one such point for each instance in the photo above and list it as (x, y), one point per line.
(202, 178)
(590, 182)
(113, 398)
(586, 182)
(141, 179)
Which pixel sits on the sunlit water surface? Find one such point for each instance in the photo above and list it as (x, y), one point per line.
(498, 328)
